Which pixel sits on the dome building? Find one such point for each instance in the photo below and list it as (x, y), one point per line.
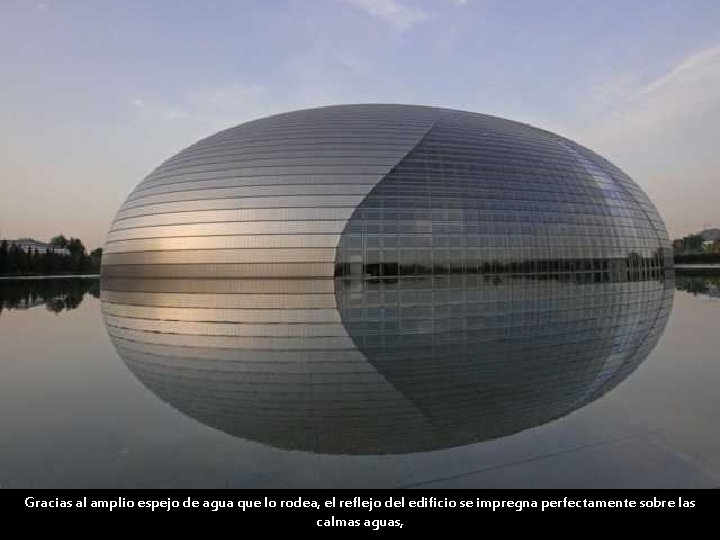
(418, 278)
(387, 191)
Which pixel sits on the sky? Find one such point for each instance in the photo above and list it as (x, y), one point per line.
(94, 94)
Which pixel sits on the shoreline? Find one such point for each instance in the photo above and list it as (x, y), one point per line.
(682, 268)
(50, 276)
(697, 268)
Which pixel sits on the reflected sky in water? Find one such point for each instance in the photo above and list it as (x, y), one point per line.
(445, 383)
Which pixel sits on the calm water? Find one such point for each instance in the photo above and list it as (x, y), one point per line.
(271, 384)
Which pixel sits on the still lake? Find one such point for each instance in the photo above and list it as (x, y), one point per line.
(105, 393)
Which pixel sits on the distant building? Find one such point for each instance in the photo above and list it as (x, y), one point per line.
(711, 235)
(29, 244)
(710, 246)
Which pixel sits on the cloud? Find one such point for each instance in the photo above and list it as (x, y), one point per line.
(691, 70)
(624, 109)
(204, 110)
(664, 133)
(392, 12)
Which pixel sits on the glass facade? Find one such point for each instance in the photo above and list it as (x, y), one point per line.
(268, 198)
(421, 278)
(483, 195)
(387, 191)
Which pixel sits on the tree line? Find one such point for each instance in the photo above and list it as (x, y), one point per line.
(16, 261)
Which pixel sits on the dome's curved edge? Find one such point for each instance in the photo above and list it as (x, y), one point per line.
(294, 195)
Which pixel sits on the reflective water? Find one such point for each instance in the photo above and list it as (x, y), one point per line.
(445, 383)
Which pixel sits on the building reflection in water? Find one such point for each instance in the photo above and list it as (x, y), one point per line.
(353, 366)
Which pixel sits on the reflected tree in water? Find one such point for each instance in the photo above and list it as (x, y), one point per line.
(56, 295)
(705, 285)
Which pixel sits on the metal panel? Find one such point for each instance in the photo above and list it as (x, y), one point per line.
(412, 190)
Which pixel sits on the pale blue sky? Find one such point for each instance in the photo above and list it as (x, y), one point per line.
(94, 94)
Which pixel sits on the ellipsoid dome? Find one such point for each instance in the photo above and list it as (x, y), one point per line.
(386, 190)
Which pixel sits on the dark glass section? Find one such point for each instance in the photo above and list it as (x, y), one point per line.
(487, 356)
(483, 195)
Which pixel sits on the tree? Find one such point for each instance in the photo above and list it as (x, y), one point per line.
(75, 246)
(59, 241)
(96, 259)
(693, 243)
(4, 269)
(45, 262)
(78, 256)
(14, 260)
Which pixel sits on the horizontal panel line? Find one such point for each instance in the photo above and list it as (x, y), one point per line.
(141, 192)
(245, 197)
(213, 308)
(237, 172)
(295, 209)
(380, 151)
(189, 322)
(150, 179)
(149, 182)
(241, 249)
(301, 263)
(294, 165)
(227, 236)
(241, 208)
(201, 223)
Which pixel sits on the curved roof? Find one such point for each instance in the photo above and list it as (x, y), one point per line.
(273, 197)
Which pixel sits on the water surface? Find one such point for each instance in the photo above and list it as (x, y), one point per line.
(190, 384)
